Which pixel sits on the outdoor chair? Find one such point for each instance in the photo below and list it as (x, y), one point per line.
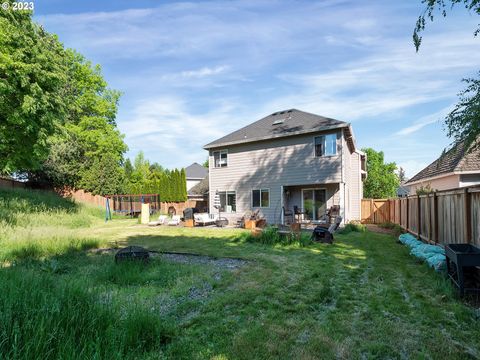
(324, 234)
(160, 221)
(174, 221)
(204, 218)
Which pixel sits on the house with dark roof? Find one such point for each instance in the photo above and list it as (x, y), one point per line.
(288, 162)
(458, 167)
(194, 174)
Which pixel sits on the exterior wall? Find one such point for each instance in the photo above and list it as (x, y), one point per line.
(192, 183)
(272, 164)
(443, 183)
(354, 186)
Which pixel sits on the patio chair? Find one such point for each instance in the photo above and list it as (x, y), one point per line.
(325, 235)
(160, 221)
(174, 221)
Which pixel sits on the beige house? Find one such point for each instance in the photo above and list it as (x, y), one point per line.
(289, 160)
(453, 169)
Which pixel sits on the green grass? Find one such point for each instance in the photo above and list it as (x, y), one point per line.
(364, 297)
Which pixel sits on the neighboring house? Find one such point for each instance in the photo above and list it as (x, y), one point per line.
(194, 174)
(287, 159)
(453, 169)
(402, 191)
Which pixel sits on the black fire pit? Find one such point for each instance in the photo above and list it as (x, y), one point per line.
(460, 256)
(132, 253)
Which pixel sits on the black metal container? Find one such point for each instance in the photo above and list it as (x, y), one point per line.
(459, 257)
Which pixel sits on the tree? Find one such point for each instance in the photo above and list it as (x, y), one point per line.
(382, 181)
(104, 177)
(206, 163)
(433, 6)
(32, 82)
(401, 175)
(463, 123)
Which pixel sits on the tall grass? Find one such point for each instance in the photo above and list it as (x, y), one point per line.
(44, 317)
(36, 224)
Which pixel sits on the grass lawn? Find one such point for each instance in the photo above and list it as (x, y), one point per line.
(362, 297)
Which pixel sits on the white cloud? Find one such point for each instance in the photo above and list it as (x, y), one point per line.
(424, 121)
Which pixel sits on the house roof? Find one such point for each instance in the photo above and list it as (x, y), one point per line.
(200, 189)
(457, 159)
(196, 171)
(282, 124)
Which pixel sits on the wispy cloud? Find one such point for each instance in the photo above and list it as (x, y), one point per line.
(424, 121)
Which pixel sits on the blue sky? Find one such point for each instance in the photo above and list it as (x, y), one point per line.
(194, 71)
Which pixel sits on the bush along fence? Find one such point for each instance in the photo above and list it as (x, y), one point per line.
(441, 217)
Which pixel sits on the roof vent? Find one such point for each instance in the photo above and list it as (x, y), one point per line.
(274, 114)
(278, 122)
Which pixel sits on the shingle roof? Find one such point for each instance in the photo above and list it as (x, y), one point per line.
(456, 159)
(196, 171)
(279, 124)
(201, 188)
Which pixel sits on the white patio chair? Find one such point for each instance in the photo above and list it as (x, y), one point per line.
(160, 221)
(174, 221)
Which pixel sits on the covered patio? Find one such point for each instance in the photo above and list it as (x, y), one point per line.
(311, 203)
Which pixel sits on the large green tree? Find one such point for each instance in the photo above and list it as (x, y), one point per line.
(33, 80)
(382, 180)
(463, 123)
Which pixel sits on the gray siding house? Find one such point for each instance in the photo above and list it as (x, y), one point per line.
(288, 160)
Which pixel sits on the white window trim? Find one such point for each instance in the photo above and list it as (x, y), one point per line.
(226, 193)
(220, 157)
(336, 147)
(260, 207)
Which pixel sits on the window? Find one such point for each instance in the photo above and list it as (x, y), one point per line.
(261, 198)
(228, 202)
(326, 145)
(220, 158)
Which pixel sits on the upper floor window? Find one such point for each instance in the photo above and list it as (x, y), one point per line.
(220, 158)
(326, 145)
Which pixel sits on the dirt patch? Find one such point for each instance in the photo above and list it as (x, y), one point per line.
(185, 258)
(380, 230)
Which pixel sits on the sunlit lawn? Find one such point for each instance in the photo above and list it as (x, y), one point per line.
(362, 297)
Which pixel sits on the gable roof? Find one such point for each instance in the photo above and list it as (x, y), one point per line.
(282, 124)
(196, 171)
(457, 159)
(200, 189)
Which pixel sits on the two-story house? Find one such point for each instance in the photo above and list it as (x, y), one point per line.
(289, 159)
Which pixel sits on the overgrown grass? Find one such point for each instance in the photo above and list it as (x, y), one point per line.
(362, 297)
(35, 224)
(271, 236)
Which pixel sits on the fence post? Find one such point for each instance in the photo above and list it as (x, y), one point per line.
(419, 217)
(406, 214)
(468, 215)
(435, 217)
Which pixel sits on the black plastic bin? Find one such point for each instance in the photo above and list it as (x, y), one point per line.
(459, 257)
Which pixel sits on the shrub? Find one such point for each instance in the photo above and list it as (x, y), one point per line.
(353, 226)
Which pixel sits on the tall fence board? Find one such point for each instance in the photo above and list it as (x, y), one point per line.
(444, 217)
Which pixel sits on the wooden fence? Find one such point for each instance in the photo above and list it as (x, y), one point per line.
(442, 217)
(11, 184)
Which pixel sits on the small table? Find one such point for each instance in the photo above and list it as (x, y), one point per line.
(221, 222)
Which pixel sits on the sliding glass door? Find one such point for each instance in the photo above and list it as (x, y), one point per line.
(314, 203)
